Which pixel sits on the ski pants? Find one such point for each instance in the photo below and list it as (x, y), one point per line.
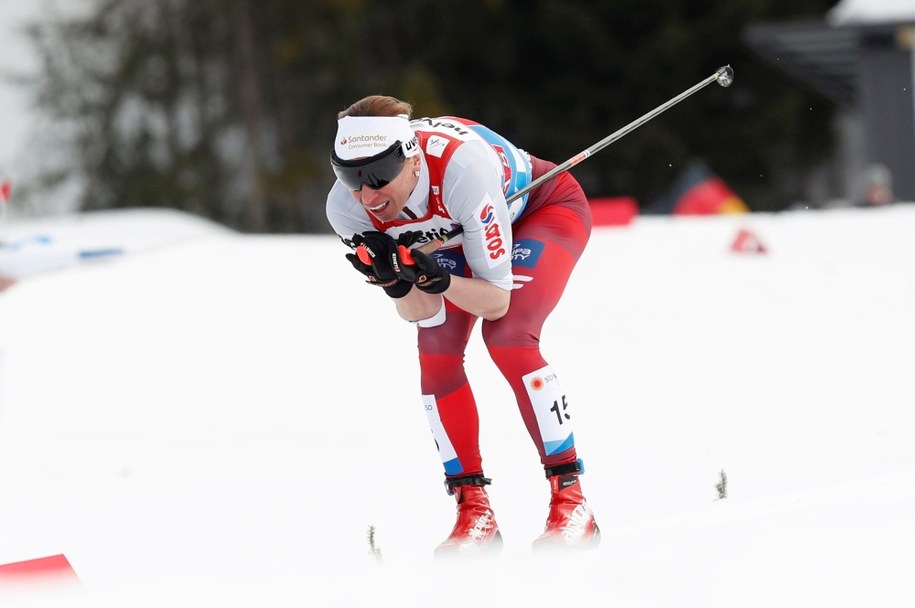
(548, 241)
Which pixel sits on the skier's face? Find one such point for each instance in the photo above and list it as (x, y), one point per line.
(387, 202)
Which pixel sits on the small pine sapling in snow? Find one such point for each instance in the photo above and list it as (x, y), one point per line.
(374, 549)
(722, 485)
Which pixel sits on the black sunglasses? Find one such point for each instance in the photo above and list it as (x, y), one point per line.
(374, 171)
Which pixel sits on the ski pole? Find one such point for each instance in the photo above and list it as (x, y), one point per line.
(723, 76)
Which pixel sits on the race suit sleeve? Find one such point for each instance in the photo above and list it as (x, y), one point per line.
(472, 193)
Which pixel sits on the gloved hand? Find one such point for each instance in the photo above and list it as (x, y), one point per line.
(392, 286)
(378, 258)
(425, 273)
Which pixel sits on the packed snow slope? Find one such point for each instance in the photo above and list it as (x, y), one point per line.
(210, 419)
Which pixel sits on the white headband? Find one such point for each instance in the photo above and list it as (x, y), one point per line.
(361, 136)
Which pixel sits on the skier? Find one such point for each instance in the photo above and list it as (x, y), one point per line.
(402, 183)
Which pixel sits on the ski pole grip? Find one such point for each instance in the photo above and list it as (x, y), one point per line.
(405, 256)
(366, 258)
(363, 254)
(432, 246)
(427, 248)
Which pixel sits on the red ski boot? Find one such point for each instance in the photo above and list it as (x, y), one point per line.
(475, 531)
(571, 521)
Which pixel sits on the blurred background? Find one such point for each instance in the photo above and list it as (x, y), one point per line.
(226, 108)
(168, 391)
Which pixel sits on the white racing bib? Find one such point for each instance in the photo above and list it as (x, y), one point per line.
(445, 449)
(551, 408)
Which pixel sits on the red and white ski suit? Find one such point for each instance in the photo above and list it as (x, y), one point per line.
(531, 248)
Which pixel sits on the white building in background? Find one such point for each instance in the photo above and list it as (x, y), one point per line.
(861, 55)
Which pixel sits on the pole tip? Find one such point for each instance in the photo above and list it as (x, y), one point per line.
(725, 75)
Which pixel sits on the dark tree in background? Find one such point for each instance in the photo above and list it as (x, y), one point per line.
(137, 95)
(226, 108)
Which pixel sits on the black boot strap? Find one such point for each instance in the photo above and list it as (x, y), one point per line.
(564, 469)
(476, 479)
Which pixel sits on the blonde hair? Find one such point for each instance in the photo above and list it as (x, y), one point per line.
(378, 105)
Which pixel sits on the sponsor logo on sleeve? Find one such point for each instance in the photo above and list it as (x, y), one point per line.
(493, 233)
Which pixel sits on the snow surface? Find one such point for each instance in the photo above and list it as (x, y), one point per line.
(216, 420)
